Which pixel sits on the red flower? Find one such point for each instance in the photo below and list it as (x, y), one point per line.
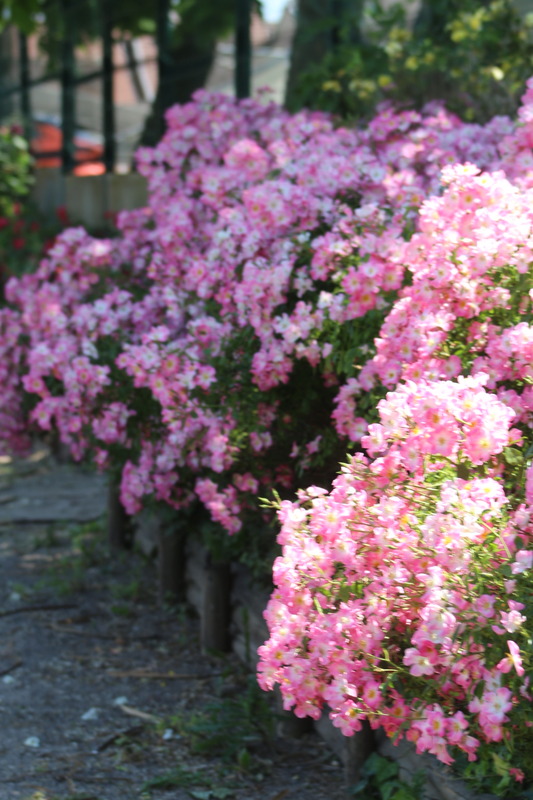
(62, 215)
(18, 243)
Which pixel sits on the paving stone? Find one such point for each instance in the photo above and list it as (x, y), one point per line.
(63, 493)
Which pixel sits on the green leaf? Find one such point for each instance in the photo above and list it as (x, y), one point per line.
(512, 456)
(244, 759)
(387, 770)
(501, 767)
(403, 793)
(146, 25)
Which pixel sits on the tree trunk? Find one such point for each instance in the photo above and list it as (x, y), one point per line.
(321, 25)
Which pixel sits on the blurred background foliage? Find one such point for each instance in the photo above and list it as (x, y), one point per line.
(16, 177)
(24, 235)
(475, 55)
(347, 56)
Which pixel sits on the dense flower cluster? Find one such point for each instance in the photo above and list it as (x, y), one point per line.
(174, 350)
(403, 595)
(285, 274)
(397, 574)
(392, 605)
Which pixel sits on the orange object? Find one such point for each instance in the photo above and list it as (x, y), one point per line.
(48, 138)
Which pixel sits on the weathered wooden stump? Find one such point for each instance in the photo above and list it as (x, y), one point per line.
(119, 528)
(170, 566)
(216, 606)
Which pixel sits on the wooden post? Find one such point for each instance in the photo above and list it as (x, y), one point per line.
(119, 529)
(170, 566)
(357, 749)
(216, 607)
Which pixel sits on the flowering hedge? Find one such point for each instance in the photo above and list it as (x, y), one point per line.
(199, 353)
(404, 595)
(286, 274)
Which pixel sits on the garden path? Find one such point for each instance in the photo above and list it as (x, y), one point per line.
(103, 693)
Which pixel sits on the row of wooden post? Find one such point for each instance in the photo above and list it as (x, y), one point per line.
(216, 585)
(215, 611)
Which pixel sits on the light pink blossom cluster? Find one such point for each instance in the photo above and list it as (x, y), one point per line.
(13, 422)
(469, 261)
(402, 595)
(426, 418)
(391, 602)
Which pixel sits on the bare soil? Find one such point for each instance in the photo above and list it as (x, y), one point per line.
(104, 694)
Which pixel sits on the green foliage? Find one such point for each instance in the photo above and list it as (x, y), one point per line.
(380, 781)
(204, 21)
(497, 780)
(459, 342)
(179, 776)
(21, 13)
(474, 56)
(16, 164)
(23, 234)
(230, 728)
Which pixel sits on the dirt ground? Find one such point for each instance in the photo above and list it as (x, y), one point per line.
(104, 695)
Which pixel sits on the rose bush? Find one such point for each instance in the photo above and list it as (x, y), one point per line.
(287, 273)
(199, 352)
(404, 595)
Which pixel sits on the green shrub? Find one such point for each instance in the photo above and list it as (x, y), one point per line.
(16, 178)
(475, 56)
(23, 234)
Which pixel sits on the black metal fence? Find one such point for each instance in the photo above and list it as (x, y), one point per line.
(58, 64)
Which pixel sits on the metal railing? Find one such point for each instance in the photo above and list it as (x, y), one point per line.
(61, 65)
